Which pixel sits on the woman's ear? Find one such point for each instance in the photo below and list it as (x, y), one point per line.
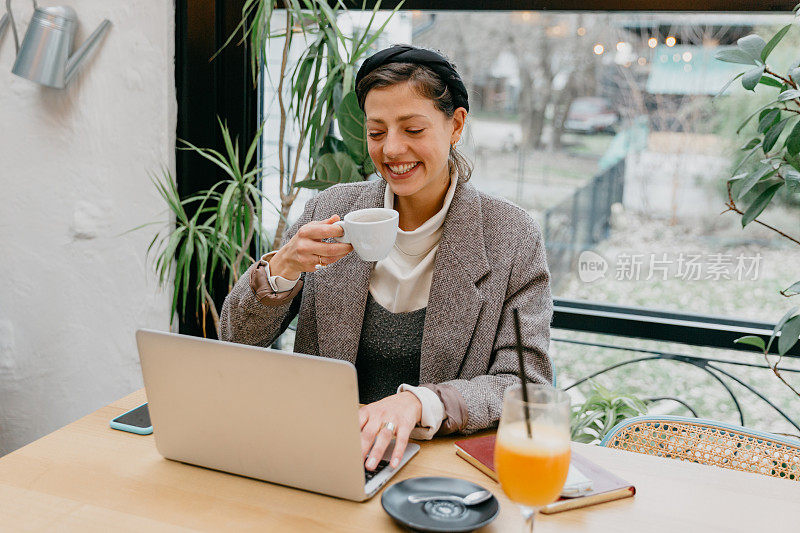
(459, 119)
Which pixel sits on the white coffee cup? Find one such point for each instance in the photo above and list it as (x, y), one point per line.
(371, 231)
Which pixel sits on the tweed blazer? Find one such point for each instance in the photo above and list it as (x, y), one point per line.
(491, 259)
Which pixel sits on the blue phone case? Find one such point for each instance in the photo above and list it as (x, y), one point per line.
(131, 429)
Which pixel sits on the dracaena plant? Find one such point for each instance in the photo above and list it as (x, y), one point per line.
(602, 410)
(320, 91)
(216, 238)
(776, 146)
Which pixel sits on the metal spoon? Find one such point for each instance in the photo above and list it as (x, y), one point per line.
(474, 498)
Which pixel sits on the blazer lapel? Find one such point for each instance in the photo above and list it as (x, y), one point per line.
(455, 302)
(341, 294)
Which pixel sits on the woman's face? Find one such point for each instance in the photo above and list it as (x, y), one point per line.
(409, 140)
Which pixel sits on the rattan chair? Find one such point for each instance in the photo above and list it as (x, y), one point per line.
(708, 442)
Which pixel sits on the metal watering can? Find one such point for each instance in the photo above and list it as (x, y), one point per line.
(45, 55)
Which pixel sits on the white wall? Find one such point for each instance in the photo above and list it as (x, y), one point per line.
(74, 167)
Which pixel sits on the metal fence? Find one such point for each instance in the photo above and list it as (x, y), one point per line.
(582, 220)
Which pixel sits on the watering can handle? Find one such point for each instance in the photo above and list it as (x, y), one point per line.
(13, 25)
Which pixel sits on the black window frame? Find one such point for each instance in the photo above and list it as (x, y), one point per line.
(224, 88)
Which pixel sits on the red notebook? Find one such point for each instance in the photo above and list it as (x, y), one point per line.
(479, 452)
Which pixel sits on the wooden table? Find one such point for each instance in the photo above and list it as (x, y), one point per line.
(89, 477)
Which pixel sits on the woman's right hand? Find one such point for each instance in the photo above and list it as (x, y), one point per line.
(306, 249)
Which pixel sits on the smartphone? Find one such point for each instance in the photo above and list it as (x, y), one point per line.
(136, 421)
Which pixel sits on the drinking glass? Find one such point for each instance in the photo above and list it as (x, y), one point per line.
(532, 462)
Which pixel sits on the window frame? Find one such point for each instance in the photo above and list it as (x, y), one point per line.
(223, 88)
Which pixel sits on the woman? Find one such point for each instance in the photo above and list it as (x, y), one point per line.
(438, 310)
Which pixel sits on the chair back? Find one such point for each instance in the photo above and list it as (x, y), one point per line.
(708, 442)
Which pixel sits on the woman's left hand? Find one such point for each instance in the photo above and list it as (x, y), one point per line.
(404, 410)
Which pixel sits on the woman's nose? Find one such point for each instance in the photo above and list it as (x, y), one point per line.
(393, 145)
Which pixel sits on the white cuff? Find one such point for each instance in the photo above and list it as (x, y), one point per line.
(432, 411)
(278, 283)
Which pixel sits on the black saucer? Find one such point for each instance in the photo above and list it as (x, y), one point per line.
(440, 515)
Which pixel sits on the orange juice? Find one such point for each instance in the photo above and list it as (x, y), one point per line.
(532, 471)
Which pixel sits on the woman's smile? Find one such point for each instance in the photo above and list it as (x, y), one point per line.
(399, 171)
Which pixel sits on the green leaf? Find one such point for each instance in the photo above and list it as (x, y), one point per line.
(752, 77)
(332, 169)
(789, 95)
(770, 46)
(789, 314)
(752, 45)
(752, 143)
(746, 157)
(752, 340)
(733, 55)
(792, 178)
(772, 82)
(795, 74)
(760, 203)
(767, 119)
(790, 332)
(728, 84)
(793, 289)
(792, 159)
(764, 171)
(793, 140)
(351, 125)
(771, 137)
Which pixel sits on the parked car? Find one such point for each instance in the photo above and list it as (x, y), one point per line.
(591, 114)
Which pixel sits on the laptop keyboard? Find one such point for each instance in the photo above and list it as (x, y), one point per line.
(369, 475)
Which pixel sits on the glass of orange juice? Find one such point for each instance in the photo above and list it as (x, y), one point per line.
(532, 455)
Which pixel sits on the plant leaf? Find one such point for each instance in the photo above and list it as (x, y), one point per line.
(764, 171)
(351, 124)
(791, 94)
(793, 140)
(772, 82)
(771, 137)
(752, 340)
(728, 84)
(752, 45)
(752, 77)
(767, 119)
(732, 55)
(790, 313)
(752, 143)
(770, 46)
(792, 178)
(760, 204)
(790, 332)
(794, 289)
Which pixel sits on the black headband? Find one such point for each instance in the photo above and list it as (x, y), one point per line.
(403, 53)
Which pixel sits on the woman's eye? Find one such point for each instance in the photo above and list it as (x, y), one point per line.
(375, 134)
(414, 131)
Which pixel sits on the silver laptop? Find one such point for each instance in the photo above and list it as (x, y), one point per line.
(276, 416)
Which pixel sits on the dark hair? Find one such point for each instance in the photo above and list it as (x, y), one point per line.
(428, 85)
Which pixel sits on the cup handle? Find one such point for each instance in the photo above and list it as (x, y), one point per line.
(344, 238)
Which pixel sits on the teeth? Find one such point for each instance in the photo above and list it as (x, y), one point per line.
(401, 169)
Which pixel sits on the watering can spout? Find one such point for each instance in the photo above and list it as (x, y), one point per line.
(80, 55)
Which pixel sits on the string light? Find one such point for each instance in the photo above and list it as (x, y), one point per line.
(670, 41)
(598, 49)
(581, 31)
(652, 42)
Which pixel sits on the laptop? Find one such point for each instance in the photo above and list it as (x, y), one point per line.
(280, 417)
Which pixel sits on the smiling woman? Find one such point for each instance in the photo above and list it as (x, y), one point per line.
(428, 327)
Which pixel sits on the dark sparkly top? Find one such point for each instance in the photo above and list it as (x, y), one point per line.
(389, 351)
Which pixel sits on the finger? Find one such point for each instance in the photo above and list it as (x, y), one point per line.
(328, 249)
(400, 443)
(379, 448)
(368, 434)
(363, 416)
